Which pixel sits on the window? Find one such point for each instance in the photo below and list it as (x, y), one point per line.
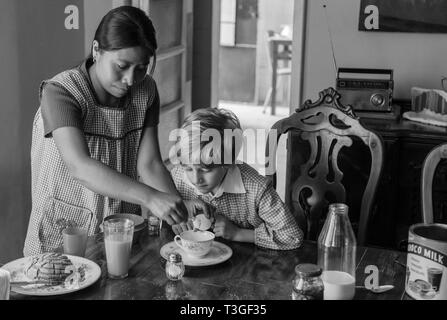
(228, 23)
(238, 23)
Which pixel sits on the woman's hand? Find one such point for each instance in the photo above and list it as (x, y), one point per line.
(168, 207)
(197, 206)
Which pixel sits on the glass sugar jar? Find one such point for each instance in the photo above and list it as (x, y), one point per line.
(175, 269)
(307, 284)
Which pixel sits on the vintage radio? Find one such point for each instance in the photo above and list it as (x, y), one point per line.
(369, 90)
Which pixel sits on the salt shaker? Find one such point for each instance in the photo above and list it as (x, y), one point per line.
(175, 269)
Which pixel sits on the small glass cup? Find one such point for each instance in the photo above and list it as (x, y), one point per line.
(153, 225)
(118, 235)
(75, 241)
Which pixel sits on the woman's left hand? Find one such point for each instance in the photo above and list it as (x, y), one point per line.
(194, 207)
(224, 228)
(197, 206)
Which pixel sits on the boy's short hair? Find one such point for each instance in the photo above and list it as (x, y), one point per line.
(210, 137)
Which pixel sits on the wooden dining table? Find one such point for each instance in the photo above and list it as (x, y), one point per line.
(251, 273)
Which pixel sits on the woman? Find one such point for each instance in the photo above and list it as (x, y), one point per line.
(95, 146)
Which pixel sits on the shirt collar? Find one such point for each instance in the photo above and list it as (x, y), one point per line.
(232, 183)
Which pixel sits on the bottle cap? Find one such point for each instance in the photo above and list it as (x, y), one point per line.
(174, 257)
(338, 207)
(308, 270)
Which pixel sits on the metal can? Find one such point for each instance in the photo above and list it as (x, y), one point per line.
(427, 262)
(307, 284)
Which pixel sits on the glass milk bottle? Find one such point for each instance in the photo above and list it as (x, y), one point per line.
(336, 254)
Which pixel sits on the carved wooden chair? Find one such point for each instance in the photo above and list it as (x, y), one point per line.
(321, 135)
(428, 171)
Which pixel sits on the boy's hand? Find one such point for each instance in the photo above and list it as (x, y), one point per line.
(225, 228)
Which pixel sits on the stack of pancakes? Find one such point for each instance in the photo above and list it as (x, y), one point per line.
(49, 268)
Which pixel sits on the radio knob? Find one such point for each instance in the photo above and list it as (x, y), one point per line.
(377, 100)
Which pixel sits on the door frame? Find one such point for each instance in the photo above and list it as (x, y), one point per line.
(298, 57)
(206, 53)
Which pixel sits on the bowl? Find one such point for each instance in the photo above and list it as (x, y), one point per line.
(139, 223)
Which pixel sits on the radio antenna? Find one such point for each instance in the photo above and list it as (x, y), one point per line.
(330, 38)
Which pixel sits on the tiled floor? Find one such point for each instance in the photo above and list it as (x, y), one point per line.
(252, 117)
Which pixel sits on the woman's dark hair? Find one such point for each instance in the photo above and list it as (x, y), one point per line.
(125, 27)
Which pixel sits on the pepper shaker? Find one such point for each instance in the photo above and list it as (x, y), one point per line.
(175, 269)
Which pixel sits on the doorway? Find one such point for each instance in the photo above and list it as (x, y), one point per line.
(231, 68)
(247, 28)
(245, 62)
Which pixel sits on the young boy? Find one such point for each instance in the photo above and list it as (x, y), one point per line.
(247, 207)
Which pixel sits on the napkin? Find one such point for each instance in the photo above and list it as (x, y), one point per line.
(428, 106)
(5, 283)
(427, 117)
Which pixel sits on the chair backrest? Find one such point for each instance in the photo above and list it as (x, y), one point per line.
(428, 171)
(325, 131)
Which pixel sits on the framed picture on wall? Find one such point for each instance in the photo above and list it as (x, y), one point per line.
(424, 16)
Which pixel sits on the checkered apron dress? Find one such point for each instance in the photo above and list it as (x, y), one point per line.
(113, 137)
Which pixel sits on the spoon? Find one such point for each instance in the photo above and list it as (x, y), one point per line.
(379, 289)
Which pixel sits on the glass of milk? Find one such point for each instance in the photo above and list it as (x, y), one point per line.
(118, 234)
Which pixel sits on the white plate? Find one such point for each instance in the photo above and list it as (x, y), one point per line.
(219, 253)
(16, 268)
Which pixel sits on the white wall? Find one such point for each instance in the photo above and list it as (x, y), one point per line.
(417, 59)
(14, 215)
(34, 46)
(94, 10)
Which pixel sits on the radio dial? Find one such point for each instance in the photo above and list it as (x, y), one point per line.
(377, 100)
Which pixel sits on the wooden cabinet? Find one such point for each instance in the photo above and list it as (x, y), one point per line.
(398, 200)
